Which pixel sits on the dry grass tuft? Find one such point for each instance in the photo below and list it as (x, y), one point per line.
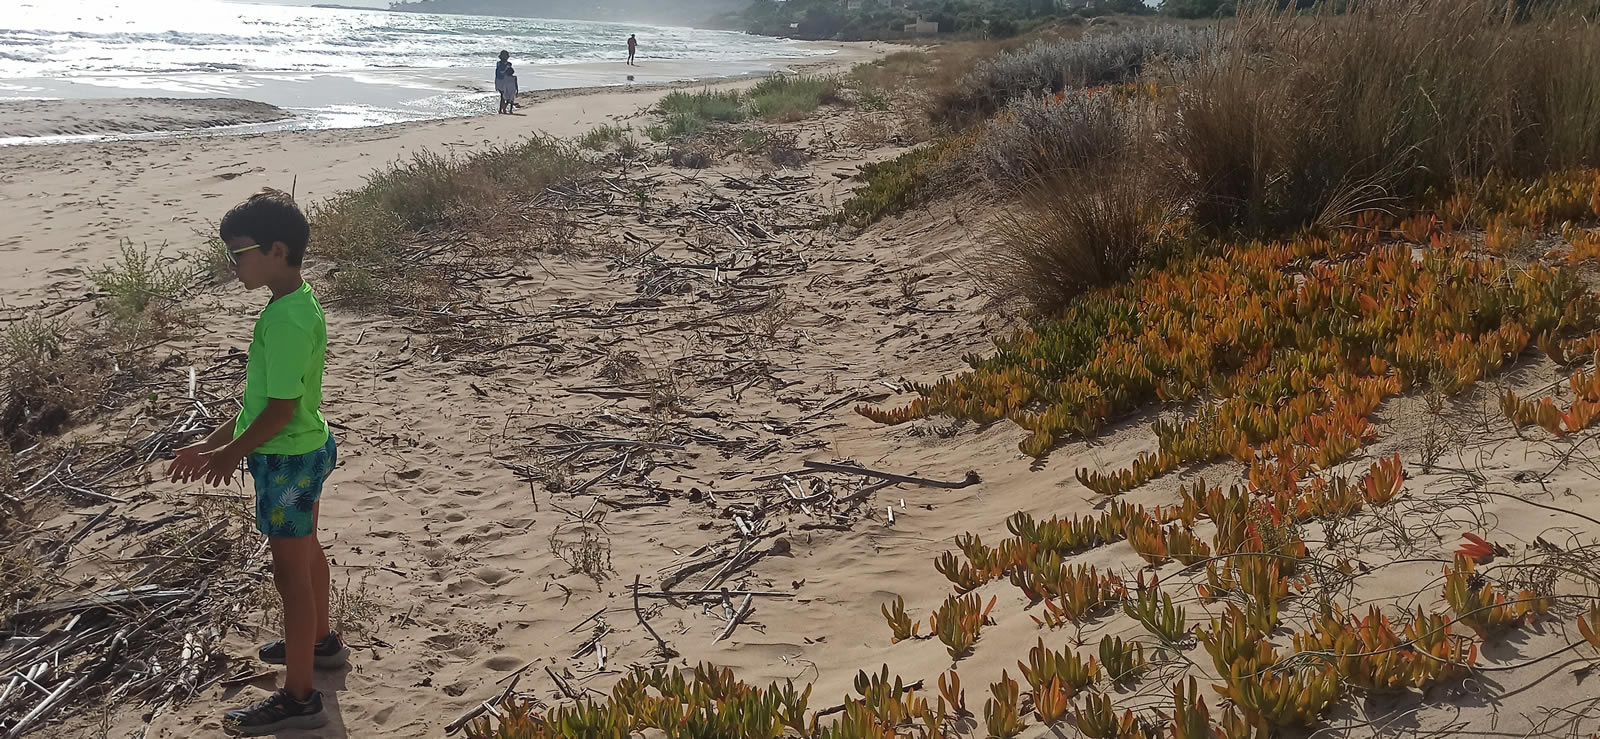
(1073, 233)
(585, 548)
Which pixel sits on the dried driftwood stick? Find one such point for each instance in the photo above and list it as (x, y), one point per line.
(147, 595)
(703, 593)
(666, 651)
(488, 705)
(864, 492)
(588, 645)
(561, 684)
(850, 469)
(44, 706)
(733, 623)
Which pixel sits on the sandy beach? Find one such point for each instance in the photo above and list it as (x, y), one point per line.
(68, 207)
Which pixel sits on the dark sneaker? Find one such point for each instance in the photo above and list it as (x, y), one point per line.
(278, 712)
(329, 654)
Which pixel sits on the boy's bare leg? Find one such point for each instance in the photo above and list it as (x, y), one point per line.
(291, 570)
(319, 577)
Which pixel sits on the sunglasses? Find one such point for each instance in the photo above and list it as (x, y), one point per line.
(233, 254)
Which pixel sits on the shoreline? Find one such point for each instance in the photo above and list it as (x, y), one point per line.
(375, 99)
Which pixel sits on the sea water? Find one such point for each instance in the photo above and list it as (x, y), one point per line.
(340, 67)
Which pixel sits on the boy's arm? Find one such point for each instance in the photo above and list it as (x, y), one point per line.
(218, 437)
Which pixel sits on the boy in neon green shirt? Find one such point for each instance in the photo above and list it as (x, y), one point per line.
(282, 438)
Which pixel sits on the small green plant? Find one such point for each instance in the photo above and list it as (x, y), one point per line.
(1066, 668)
(1122, 661)
(958, 621)
(677, 125)
(899, 184)
(1000, 715)
(1154, 610)
(354, 610)
(960, 573)
(605, 137)
(1098, 719)
(706, 105)
(899, 622)
(584, 547)
(951, 693)
(140, 293)
(752, 140)
(48, 371)
(785, 97)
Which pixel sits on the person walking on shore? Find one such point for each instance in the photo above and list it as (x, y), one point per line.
(633, 46)
(505, 82)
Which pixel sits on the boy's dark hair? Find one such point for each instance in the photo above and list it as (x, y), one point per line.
(268, 217)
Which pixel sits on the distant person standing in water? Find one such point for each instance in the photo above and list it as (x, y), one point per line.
(633, 46)
(505, 82)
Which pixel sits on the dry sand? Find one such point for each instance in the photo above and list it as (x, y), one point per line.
(428, 508)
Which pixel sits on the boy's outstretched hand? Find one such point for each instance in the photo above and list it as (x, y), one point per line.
(187, 463)
(196, 462)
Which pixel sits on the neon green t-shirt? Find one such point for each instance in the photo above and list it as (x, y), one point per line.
(287, 351)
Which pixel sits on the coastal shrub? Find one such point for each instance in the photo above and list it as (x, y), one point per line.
(895, 185)
(431, 189)
(1037, 136)
(791, 97)
(706, 105)
(1056, 66)
(605, 137)
(784, 150)
(694, 158)
(49, 370)
(1075, 231)
(140, 293)
(360, 230)
(877, 83)
(676, 125)
(1291, 121)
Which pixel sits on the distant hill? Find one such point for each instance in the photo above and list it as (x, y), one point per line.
(652, 12)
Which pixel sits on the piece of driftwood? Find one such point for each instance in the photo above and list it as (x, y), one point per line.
(702, 593)
(588, 645)
(850, 469)
(146, 595)
(666, 651)
(562, 685)
(488, 705)
(733, 623)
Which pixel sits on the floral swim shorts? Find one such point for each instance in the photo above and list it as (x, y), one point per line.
(288, 488)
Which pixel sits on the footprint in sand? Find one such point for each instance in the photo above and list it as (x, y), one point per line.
(491, 576)
(443, 642)
(503, 663)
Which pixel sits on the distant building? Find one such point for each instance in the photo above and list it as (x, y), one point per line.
(922, 27)
(853, 4)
